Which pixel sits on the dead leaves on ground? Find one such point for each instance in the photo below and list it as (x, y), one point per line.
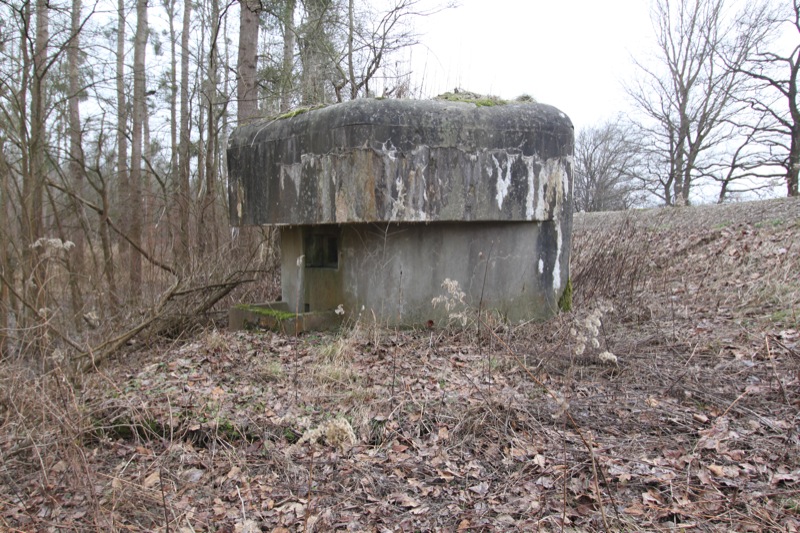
(695, 428)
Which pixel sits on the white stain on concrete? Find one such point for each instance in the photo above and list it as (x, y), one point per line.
(503, 177)
(541, 266)
(389, 150)
(530, 198)
(557, 264)
(399, 203)
(565, 176)
(294, 172)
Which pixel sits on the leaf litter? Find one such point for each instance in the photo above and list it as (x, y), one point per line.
(478, 427)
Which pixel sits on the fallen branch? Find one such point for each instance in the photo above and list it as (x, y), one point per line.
(107, 348)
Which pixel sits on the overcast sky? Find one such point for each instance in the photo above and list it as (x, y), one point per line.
(572, 54)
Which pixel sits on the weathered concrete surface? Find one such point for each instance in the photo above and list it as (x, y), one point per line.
(393, 272)
(402, 160)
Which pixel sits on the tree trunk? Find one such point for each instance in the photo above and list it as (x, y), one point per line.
(148, 198)
(206, 226)
(200, 181)
(33, 180)
(287, 65)
(246, 91)
(139, 111)
(76, 163)
(183, 158)
(5, 264)
(123, 176)
(312, 52)
(350, 61)
(173, 211)
(794, 163)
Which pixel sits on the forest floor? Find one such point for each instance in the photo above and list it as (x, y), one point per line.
(680, 412)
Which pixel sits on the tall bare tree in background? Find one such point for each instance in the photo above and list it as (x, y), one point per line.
(316, 50)
(5, 255)
(184, 163)
(776, 77)
(34, 169)
(287, 62)
(688, 97)
(139, 102)
(371, 38)
(123, 176)
(606, 165)
(246, 90)
(77, 161)
(206, 227)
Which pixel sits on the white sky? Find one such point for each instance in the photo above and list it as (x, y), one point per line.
(572, 54)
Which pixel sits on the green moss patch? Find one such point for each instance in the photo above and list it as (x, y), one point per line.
(483, 100)
(565, 302)
(293, 113)
(468, 97)
(266, 311)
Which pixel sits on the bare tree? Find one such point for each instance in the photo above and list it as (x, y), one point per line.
(123, 178)
(776, 76)
(76, 158)
(137, 140)
(206, 223)
(372, 37)
(317, 50)
(34, 172)
(184, 170)
(246, 91)
(687, 97)
(5, 263)
(606, 160)
(287, 64)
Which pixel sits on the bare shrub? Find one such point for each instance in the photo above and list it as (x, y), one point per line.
(609, 260)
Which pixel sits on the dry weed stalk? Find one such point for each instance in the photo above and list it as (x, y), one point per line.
(610, 262)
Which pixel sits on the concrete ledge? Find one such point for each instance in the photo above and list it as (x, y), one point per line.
(276, 317)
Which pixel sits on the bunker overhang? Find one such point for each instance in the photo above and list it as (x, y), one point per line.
(402, 160)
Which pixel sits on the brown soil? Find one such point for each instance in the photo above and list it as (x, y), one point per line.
(669, 398)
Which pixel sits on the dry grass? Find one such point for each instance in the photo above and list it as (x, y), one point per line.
(693, 427)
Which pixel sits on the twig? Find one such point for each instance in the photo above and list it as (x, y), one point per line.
(241, 500)
(394, 351)
(564, 485)
(480, 308)
(680, 376)
(775, 371)
(310, 488)
(742, 395)
(300, 282)
(163, 500)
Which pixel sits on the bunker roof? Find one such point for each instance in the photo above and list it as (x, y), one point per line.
(401, 160)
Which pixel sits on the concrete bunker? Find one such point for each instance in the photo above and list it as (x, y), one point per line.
(380, 201)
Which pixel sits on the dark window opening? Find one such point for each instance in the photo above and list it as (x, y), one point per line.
(322, 250)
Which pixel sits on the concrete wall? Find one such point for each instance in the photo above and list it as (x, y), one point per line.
(395, 270)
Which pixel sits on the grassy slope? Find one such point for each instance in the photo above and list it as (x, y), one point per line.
(487, 427)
